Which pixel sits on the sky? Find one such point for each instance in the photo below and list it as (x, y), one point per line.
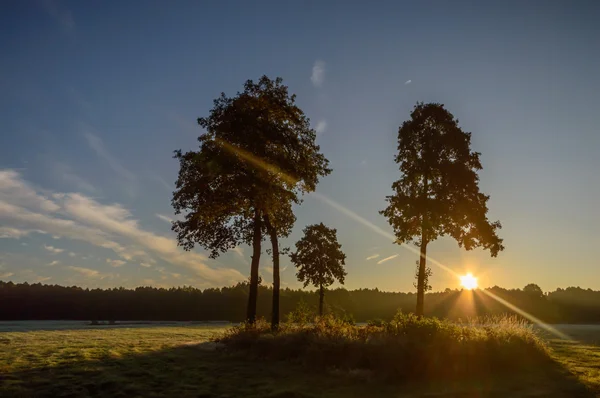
(97, 95)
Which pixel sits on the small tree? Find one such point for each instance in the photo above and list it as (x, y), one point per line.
(319, 259)
(438, 192)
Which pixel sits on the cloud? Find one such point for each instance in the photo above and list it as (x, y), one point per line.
(71, 254)
(387, 259)
(53, 249)
(115, 263)
(146, 265)
(6, 275)
(17, 192)
(164, 218)
(168, 187)
(318, 73)
(61, 15)
(54, 262)
(15, 233)
(240, 252)
(372, 257)
(166, 273)
(321, 127)
(64, 172)
(77, 216)
(407, 82)
(363, 162)
(98, 146)
(90, 273)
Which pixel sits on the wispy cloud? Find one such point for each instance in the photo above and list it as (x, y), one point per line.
(6, 274)
(98, 146)
(164, 218)
(18, 192)
(372, 257)
(61, 15)
(55, 262)
(321, 127)
(15, 233)
(168, 187)
(77, 216)
(90, 273)
(383, 260)
(240, 252)
(115, 263)
(318, 73)
(407, 82)
(66, 173)
(147, 265)
(53, 249)
(71, 254)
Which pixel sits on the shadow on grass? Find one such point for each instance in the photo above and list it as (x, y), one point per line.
(203, 371)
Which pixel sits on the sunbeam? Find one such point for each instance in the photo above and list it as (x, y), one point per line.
(260, 163)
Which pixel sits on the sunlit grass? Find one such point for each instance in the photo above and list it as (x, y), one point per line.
(184, 362)
(428, 347)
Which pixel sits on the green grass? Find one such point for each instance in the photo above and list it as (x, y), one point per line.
(183, 362)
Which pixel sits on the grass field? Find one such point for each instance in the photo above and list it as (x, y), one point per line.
(183, 362)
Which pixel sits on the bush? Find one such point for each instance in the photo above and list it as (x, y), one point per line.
(405, 347)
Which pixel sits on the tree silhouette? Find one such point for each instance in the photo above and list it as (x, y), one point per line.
(534, 290)
(438, 192)
(257, 156)
(319, 259)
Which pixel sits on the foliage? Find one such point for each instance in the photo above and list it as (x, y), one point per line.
(319, 259)
(406, 347)
(438, 193)
(257, 154)
(302, 314)
(22, 302)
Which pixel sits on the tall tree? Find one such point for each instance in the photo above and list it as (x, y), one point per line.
(319, 259)
(438, 192)
(257, 155)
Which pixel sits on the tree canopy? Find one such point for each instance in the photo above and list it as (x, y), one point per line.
(319, 258)
(438, 192)
(256, 156)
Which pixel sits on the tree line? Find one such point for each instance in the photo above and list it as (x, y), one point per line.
(25, 301)
(258, 156)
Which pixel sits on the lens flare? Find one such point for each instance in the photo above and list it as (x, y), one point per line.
(260, 163)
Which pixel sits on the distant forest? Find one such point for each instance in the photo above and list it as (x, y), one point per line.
(26, 301)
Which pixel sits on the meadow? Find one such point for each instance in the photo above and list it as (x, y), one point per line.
(185, 361)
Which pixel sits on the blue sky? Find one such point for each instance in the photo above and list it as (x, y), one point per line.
(96, 96)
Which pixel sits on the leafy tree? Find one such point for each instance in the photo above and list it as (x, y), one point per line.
(319, 259)
(257, 155)
(438, 192)
(533, 290)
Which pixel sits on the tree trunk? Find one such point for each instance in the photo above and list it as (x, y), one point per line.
(253, 296)
(423, 254)
(421, 277)
(321, 297)
(276, 278)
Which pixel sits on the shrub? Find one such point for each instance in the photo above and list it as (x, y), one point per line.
(405, 347)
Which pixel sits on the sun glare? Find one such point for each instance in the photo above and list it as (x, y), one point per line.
(468, 281)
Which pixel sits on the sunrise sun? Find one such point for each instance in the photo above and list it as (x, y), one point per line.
(468, 281)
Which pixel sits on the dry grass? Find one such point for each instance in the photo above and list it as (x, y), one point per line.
(183, 362)
(404, 348)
